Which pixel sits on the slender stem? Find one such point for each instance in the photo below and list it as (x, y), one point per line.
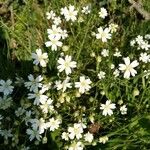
(78, 54)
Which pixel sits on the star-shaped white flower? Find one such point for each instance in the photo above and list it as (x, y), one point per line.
(144, 57)
(65, 136)
(50, 15)
(47, 106)
(34, 83)
(54, 42)
(6, 87)
(63, 85)
(123, 110)
(66, 64)
(88, 137)
(38, 97)
(54, 31)
(103, 13)
(40, 58)
(103, 34)
(83, 85)
(103, 139)
(34, 134)
(76, 146)
(69, 13)
(75, 131)
(53, 124)
(101, 75)
(128, 68)
(107, 108)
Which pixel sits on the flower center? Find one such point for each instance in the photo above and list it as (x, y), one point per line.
(83, 83)
(54, 42)
(128, 67)
(6, 86)
(103, 34)
(107, 107)
(66, 64)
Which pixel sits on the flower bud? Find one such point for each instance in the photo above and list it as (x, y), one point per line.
(92, 54)
(44, 140)
(136, 92)
(99, 59)
(65, 48)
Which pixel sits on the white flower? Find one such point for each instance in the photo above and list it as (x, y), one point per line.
(5, 87)
(107, 108)
(144, 57)
(46, 87)
(38, 124)
(34, 133)
(123, 109)
(50, 15)
(83, 85)
(82, 125)
(76, 146)
(144, 45)
(47, 106)
(34, 83)
(64, 34)
(75, 131)
(69, 13)
(6, 133)
(53, 124)
(112, 66)
(65, 136)
(128, 68)
(57, 21)
(54, 43)
(147, 36)
(88, 137)
(54, 32)
(117, 53)
(40, 58)
(101, 75)
(116, 73)
(38, 97)
(66, 64)
(103, 139)
(147, 73)
(86, 10)
(64, 11)
(41, 125)
(103, 34)
(105, 53)
(139, 39)
(132, 43)
(63, 85)
(103, 13)
(113, 27)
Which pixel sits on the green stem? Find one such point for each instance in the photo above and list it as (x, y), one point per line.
(78, 54)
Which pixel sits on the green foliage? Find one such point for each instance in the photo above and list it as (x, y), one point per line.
(23, 31)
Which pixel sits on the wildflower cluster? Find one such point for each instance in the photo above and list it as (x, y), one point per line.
(71, 101)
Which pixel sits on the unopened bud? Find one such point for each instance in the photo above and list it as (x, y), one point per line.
(136, 92)
(65, 48)
(99, 59)
(44, 141)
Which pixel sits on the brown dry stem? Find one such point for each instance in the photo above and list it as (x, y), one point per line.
(140, 9)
